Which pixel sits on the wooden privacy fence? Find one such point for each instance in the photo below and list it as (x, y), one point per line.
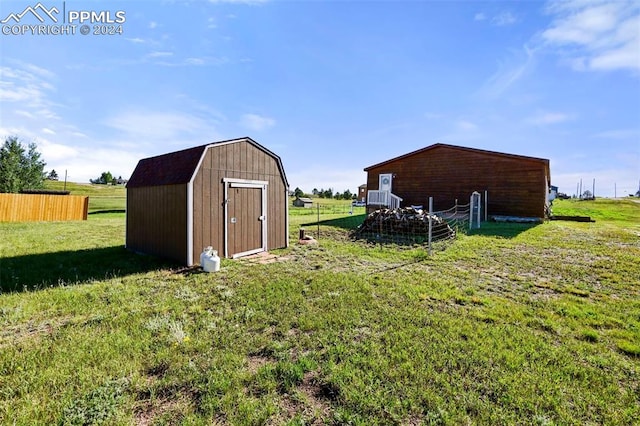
(40, 207)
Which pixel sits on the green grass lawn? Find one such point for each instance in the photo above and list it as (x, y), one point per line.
(511, 324)
(101, 197)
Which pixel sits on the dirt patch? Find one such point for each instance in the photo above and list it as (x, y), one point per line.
(166, 404)
(32, 329)
(264, 258)
(150, 411)
(307, 401)
(255, 362)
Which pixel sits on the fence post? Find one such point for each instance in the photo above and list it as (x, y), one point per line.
(430, 222)
(318, 220)
(455, 216)
(486, 213)
(471, 212)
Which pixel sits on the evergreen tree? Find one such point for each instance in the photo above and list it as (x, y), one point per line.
(20, 169)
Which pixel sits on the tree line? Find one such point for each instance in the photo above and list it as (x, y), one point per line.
(22, 168)
(326, 193)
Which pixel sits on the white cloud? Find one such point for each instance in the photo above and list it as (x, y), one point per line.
(130, 134)
(54, 152)
(158, 54)
(602, 35)
(24, 113)
(466, 126)
(619, 134)
(28, 86)
(509, 72)
(325, 178)
(152, 127)
(136, 40)
(195, 61)
(504, 19)
(153, 25)
(257, 122)
(547, 117)
(479, 17)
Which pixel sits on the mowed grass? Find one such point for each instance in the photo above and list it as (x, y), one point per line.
(101, 197)
(511, 324)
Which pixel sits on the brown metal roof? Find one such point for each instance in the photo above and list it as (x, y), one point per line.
(179, 167)
(442, 145)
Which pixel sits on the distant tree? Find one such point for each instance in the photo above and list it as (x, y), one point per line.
(587, 194)
(327, 193)
(105, 178)
(315, 191)
(20, 169)
(52, 175)
(346, 195)
(298, 192)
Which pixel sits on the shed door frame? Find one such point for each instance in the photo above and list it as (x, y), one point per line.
(244, 183)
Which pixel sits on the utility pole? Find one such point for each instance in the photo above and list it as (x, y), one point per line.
(65, 179)
(580, 194)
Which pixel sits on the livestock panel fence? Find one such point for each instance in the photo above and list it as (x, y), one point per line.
(404, 226)
(42, 207)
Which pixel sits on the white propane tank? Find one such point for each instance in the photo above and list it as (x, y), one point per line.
(209, 260)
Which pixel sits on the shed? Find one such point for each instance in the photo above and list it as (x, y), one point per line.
(231, 195)
(516, 185)
(303, 202)
(362, 192)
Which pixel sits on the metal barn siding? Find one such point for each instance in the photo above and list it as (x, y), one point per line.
(516, 184)
(230, 195)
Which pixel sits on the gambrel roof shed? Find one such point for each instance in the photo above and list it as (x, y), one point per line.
(231, 195)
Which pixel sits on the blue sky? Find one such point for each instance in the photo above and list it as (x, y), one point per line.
(332, 87)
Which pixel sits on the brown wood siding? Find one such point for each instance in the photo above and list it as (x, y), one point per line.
(516, 186)
(42, 207)
(157, 221)
(240, 160)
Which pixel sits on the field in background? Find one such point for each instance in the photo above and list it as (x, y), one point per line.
(511, 324)
(101, 197)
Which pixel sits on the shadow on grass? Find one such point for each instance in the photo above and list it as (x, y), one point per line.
(38, 271)
(107, 211)
(502, 229)
(347, 222)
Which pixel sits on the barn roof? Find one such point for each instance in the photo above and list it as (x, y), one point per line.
(305, 200)
(179, 167)
(462, 148)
